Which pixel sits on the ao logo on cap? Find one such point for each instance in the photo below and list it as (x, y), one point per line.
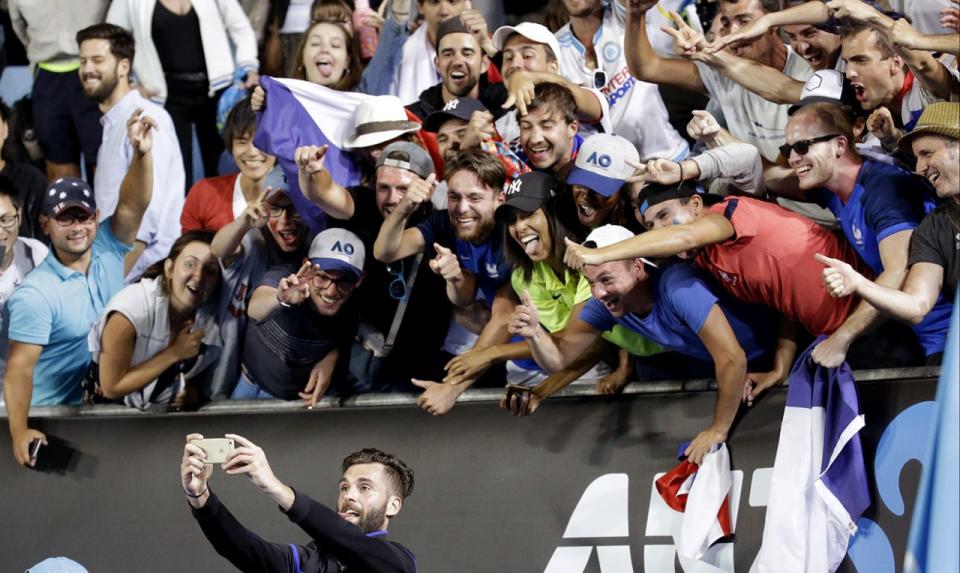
(600, 160)
(344, 248)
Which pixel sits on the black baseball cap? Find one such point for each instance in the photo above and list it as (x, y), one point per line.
(66, 193)
(459, 108)
(529, 191)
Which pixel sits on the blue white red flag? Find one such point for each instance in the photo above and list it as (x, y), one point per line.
(299, 113)
(818, 488)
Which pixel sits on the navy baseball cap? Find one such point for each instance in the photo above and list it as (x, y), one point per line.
(459, 108)
(66, 193)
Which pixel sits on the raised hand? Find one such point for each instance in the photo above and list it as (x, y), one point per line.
(689, 42)
(140, 132)
(258, 99)
(479, 130)
(662, 171)
(743, 37)
(525, 320)
(194, 474)
(474, 21)
(703, 126)
(577, 256)
(839, 278)
(446, 264)
(904, 35)
(468, 366)
(250, 460)
(881, 125)
(187, 342)
(418, 193)
(520, 91)
(640, 5)
(309, 158)
(852, 10)
(295, 289)
(257, 213)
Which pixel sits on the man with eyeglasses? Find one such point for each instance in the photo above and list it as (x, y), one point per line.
(54, 309)
(877, 205)
(592, 55)
(403, 297)
(299, 321)
(18, 256)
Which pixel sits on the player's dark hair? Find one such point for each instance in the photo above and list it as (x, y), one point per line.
(121, 41)
(399, 475)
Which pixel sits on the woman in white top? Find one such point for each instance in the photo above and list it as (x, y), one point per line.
(157, 337)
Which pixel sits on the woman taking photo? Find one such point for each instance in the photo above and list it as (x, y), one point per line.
(157, 337)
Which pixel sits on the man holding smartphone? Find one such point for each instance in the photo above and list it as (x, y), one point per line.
(353, 538)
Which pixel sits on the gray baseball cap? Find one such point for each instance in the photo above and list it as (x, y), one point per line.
(409, 156)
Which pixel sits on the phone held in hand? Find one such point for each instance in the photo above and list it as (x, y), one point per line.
(56, 456)
(217, 449)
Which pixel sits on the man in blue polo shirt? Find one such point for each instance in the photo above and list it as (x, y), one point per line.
(52, 312)
(877, 205)
(680, 308)
(468, 244)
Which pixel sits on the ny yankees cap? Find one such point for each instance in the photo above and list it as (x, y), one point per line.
(601, 163)
(459, 108)
(338, 250)
(68, 192)
(529, 191)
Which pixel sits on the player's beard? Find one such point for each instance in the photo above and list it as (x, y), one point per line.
(372, 520)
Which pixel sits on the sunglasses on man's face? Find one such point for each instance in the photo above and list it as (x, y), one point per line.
(803, 146)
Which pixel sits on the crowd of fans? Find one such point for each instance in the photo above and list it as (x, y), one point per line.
(642, 191)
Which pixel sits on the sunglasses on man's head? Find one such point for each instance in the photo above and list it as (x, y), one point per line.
(803, 146)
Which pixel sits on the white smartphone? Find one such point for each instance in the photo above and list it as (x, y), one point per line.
(217, 449)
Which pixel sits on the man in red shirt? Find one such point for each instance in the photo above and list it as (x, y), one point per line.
(758, 251)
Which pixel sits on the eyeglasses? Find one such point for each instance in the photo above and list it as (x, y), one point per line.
(599, 78)
(803, 146)
(277, 210)
(344, 285)
(69, 218)
(398, 285)
(8, 222)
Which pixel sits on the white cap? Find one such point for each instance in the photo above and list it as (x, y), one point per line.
(607, 235)
(338, 250)
(536, 32)
(601, 163)
(379, 119)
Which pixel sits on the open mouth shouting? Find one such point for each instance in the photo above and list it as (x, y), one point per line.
(859, 91)
(350, 513)
(324, 65)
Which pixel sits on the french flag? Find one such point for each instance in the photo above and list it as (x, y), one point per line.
(818, 489)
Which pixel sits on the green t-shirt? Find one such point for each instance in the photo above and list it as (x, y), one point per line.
(556, 298)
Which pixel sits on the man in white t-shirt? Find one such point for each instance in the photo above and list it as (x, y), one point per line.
(18, 256)
(106, 53)
(592, 54)
(750, 117)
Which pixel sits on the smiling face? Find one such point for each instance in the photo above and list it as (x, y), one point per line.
(592, 207)
(876, 78)
(366, 497)
(253, 163)
(614, 284)
(285, 225)
(449, 137)
(472, 206)
(71, 232)
(460, 62)
(735, 16)
(819, 164)
(100, 72)
(330, 290)
(546, 138)
(192, 277)
(9, 223)
(522, 53)
(820, 49)
(532, 232)
(674, 212)
(325, 59)
(938, 160)
(436, 11)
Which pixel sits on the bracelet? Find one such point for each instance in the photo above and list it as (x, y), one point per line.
(283, 304)
(205, 490)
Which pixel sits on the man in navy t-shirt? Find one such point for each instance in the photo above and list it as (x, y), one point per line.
(469, 250)
(679, 308)
(877, 205)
